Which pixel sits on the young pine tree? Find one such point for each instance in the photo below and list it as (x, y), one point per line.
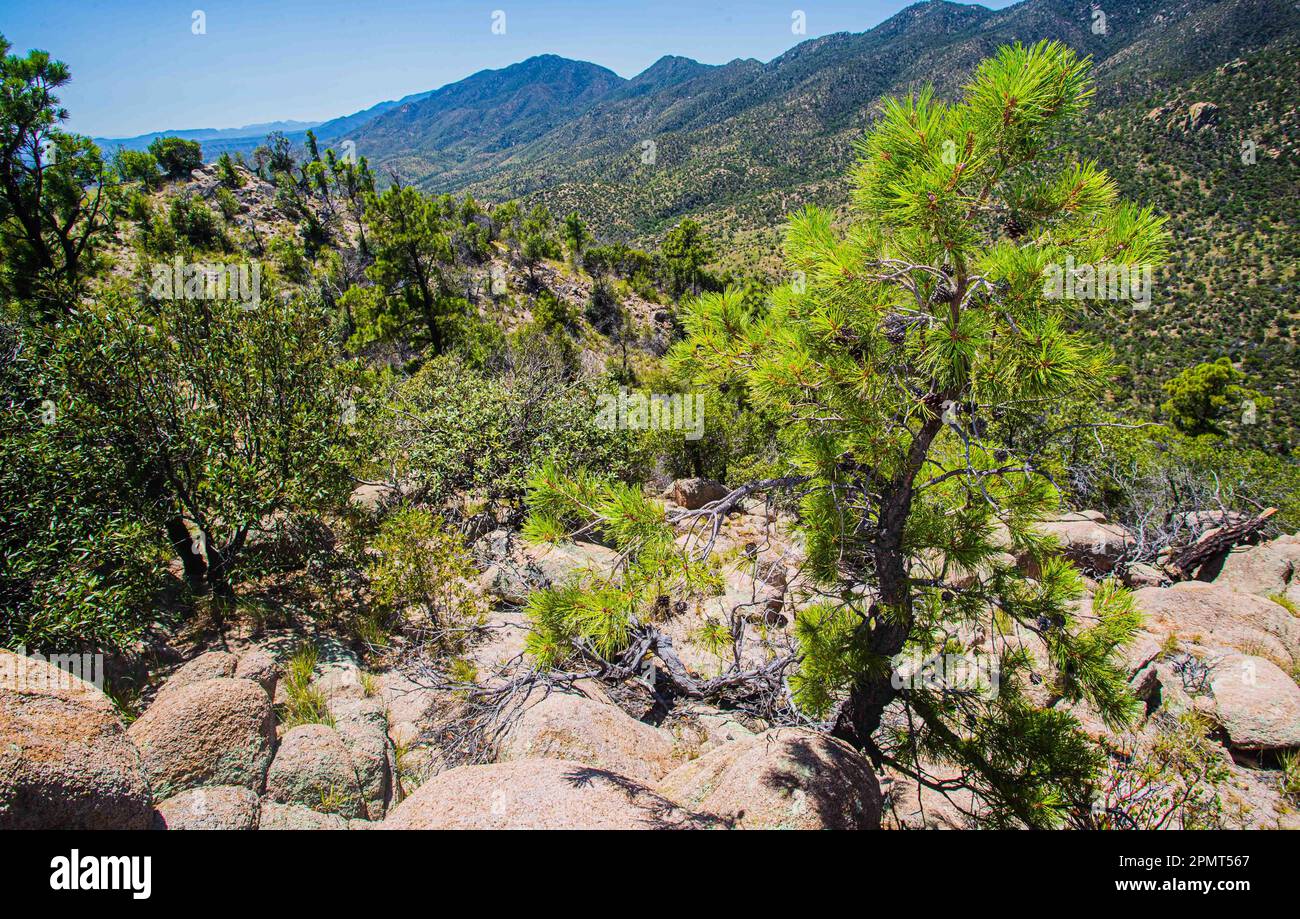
(903, 342)
(412, 250)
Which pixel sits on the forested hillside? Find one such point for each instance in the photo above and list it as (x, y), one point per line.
(723, 457)
(1219, 156)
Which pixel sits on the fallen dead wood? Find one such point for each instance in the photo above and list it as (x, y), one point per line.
(1184, 563)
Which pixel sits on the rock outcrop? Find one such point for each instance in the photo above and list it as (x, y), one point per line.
(571, 727)
(222, 807)
(65, 760)
(214, 732)
(210, 665)
(1201, 115)
(261, 668)
(1256, 703)
(362, 724)
(1088, 540)
(276, 816)
(313, 769)
(1270, 569)
(540, 794)
(909, 805)
(786, 778)
(1214, 616)
(693, 494)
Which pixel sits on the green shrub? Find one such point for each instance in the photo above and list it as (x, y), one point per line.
(197, 224)
(137, 166)
(176, 156)
(230, 176)
(227, 203)
(420, 563)
(451, 430)
(77, 570)
(552, 313)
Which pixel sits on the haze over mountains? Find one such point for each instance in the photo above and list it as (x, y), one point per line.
(742, 145)
(750, 134)
(218, 136)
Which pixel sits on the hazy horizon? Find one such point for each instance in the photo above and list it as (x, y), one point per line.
(245, 69)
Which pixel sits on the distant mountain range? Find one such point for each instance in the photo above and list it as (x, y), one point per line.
(739, 146)
(250, 132)
(753, 137)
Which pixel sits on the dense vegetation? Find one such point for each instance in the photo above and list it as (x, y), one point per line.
(203, 370)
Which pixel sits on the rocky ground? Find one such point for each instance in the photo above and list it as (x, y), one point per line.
(213, 749)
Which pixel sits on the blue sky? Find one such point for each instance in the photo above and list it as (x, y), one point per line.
(137, 65)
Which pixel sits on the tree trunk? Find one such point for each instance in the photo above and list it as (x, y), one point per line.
(196, 568)
(221, 561)
(861, 712)
(860, 715)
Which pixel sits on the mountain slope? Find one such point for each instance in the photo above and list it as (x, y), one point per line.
(1228, 186)
(491, 111)
(741, 146)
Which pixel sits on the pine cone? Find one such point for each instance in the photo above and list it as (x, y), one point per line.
(943, 292)
(846, 336)
(1013, 227)
(894, 328)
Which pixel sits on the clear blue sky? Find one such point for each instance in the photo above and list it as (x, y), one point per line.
(138, 67)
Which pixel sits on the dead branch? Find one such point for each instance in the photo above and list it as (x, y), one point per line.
(716, 511)
(1214, 543)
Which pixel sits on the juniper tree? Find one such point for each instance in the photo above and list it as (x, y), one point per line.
(905, 335)
(1207, 398)
(177, 157)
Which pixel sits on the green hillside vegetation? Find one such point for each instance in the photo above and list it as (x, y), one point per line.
(283, 387)
(1231, 289)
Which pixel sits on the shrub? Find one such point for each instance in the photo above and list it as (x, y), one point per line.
(230, 176)
(197, 224)
(227, 203)
(421, 563)
(454, 430)
(137, 166)
(76, 569)
(177, 157)
(552, 313)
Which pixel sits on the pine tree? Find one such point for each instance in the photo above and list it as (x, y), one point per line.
(411, 248)
(903, 343)
(576, 236)
(54, 205)
(1205, 399)
(686, 250)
